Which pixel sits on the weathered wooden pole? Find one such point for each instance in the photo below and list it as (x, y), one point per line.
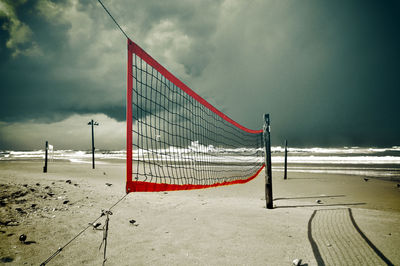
(268, 170)
(45, 157)
(93, 123)
(92, 144)
(285, 175)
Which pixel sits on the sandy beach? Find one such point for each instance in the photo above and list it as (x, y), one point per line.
(311, 221)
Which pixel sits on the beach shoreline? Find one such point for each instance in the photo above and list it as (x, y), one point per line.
(216, 226)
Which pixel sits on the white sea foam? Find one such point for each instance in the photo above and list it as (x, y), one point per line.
(348, 160)
(338, 159)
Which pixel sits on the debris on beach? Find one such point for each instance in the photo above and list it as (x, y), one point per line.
(22, 238)
(68, 181)
(7, 259)
(9, 223)
(296, 262)
(366, 179)
(108, 184)
(95, 225)
(20, 210)
(398, 185)
(20, 201)
(133, 222)
(318, 201)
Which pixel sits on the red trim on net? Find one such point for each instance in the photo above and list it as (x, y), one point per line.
(140, 186)
(129, 120)
(152, 62)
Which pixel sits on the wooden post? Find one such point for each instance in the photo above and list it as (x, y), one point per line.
(92, 122)
(45, 157)
(268, 168)
(285, 175)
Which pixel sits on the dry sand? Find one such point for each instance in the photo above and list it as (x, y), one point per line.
(218, 226)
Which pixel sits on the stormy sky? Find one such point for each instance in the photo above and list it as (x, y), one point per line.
(326, 71)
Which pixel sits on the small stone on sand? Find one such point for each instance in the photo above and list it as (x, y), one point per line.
(22, 238)
(95, 225)
(296, 262)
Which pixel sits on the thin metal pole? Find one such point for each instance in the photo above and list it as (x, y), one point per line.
(268, 172)
(92, 122)
(45, 157)
(285, 175)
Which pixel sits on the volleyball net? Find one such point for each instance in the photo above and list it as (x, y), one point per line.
(176, 140)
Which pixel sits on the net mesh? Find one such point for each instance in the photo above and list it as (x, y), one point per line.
(179, 141)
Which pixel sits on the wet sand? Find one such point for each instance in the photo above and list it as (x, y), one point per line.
(218, 226)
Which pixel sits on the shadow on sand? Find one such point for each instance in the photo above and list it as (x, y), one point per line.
(321, 205)
(312, 197)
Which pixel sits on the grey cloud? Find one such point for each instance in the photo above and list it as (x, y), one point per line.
(82, 65)
(326, 71)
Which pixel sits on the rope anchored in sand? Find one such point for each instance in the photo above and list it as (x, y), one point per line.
(106, 213)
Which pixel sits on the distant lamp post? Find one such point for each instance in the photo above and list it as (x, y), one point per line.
(93, 123)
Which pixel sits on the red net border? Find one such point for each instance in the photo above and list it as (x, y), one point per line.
(136, 186)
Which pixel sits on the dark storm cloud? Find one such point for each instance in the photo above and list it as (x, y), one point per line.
(327, 71)
(79, 62)
(57, 79)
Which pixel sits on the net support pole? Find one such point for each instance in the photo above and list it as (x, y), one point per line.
(285, 174)
(268, 170)
(92, 144)
(129, 118)
(45, 157)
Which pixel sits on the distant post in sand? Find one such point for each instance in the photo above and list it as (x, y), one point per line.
(93, 123)
(285, 175)
(45, 157)
(268, 170)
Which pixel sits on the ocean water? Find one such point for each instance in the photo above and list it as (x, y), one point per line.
(370, 162)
